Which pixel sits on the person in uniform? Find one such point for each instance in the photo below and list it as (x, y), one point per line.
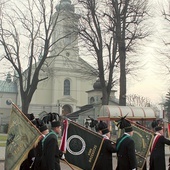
(157, 156)
(51, 154)
(38, 148)
(105, 158)
(125, 146)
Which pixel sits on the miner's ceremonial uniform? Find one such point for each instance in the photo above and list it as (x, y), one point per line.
(126, 153)
(157, 157)
(125, 146)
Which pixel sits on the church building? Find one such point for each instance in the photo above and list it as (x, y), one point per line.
(70, 78)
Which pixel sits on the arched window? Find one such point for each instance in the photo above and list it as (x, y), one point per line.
(66, 87)
(92, 100)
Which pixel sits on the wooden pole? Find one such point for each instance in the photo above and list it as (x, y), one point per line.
(68, 164)
(142, 127)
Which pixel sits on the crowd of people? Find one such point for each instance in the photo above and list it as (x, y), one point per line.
(46, 154)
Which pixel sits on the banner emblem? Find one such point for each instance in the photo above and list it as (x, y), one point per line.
(76, 145)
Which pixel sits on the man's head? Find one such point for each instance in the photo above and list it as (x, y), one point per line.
(125, 124)
(159, 129)
(103, 129)
(157, 126)
(56, 126)
(44, 130)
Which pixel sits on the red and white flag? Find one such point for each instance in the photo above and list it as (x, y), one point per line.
(168, 129)
(64, 137)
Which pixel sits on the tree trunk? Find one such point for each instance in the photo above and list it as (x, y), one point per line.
(25, 106)
(122, 94)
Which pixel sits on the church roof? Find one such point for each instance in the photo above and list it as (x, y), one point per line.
(75, 115)
(9, 87)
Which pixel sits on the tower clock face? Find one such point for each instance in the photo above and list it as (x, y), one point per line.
(92, 100)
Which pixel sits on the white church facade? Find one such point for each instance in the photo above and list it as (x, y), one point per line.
(69, 76)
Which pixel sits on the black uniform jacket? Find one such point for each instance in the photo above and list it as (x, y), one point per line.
(38, 155)
(157, 158)
(50, 158)
(104, 161)
(126, 154)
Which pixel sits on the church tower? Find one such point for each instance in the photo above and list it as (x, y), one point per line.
(65, 35)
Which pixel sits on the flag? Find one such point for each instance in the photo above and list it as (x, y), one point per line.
(21, 137)
(64, 136)
(169, 130)
(143, 139)
(82, 147)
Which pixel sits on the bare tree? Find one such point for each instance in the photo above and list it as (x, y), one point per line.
(164, 46)
(26, 30)
(99, 42)
(128, 16)
(110, 30)
(136, 100)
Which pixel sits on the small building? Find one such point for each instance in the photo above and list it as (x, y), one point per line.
(8, 93)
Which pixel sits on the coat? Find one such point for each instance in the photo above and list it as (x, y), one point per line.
(51, 153)
(28, 164)
(38, 155)
(105, 157)
(157, 157)
(126, 154)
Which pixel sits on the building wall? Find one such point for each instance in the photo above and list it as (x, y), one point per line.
(50, 93)
(5, 107)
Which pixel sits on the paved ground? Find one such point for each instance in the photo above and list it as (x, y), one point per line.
(66, 167)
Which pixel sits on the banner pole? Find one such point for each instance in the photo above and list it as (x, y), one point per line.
(68, 164)
(140, 155)
(142, 127)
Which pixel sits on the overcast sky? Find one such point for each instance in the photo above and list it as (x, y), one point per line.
(153, 84)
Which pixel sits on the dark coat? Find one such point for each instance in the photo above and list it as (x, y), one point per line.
(38, 155)
(105, 158)
(51, 153)
(157, 157)
(126, 154)
(28, 164)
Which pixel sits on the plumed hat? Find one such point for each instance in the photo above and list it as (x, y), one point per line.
(55, 124)
(124, 124)
(30, 116)
(37, 122)
(103, 127)
(155, 125)
(43, 128)
(158, 128)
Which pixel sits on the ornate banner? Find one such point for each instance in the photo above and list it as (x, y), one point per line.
(83, 146)
(22, 135)
(143, 140)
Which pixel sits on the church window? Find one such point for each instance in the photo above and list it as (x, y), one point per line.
(92, 100)
(66, 87)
